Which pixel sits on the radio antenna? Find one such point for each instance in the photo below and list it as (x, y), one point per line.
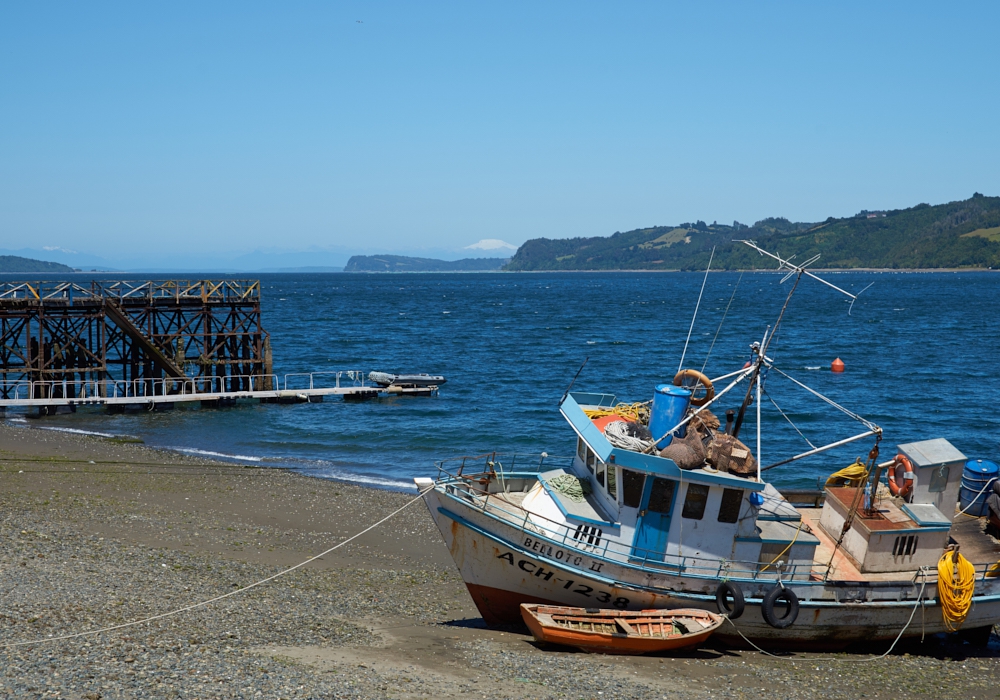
(696, 306)
(566, 393)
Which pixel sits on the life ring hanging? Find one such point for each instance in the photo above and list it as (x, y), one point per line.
(900, 485)
(688, 374)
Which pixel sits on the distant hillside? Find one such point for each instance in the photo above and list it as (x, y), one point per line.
(13, 263)
(957, 234)
(401, 263)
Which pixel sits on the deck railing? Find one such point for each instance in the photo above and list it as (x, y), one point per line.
(469, 479)
(96, 390)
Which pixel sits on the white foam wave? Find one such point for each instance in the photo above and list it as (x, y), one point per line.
(77, 431)
(223, 455)
(362, 479)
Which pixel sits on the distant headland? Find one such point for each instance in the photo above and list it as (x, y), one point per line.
(402, 263)
(16, 264)
(964, 234)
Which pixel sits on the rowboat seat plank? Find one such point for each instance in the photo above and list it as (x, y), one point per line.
(626, 627)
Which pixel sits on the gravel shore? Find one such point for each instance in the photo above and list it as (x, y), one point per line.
(98, 533)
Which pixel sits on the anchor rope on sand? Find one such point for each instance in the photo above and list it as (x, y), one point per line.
(216, 599)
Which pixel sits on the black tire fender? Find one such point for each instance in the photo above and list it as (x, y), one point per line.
(788, 597)
(726, 590)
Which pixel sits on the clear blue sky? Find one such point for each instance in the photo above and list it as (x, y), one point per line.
(202, 127)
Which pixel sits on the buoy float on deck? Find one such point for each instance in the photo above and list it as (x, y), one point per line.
(837, 365)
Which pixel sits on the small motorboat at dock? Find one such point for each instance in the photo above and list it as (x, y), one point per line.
(620, 631)
(406, 381)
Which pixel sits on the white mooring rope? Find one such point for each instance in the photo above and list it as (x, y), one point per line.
(203, 603)
(919, 604)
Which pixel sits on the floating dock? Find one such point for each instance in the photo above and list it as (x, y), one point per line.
(148, 346)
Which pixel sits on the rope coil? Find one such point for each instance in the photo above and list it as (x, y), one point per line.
(956, 582)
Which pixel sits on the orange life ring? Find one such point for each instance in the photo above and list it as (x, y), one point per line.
(904, 485)
(700, 379)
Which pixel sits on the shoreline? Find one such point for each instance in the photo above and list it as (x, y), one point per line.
(99, 532)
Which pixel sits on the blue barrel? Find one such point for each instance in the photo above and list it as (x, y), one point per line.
(669, 404)
(976, 475)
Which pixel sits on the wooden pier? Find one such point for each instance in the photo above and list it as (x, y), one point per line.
(148, 346)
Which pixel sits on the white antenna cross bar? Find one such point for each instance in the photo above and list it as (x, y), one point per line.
(795, 268)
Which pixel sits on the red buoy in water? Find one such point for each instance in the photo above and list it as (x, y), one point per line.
(837, 365)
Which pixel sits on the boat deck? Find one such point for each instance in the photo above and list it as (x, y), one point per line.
(974, 544)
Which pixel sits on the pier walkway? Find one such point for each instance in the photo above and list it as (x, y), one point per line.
(149, 345)
(154, 394)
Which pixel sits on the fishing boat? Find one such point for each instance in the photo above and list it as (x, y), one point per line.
(620, 631)
(660, 506)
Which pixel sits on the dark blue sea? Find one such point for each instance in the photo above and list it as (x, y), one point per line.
(920, 349)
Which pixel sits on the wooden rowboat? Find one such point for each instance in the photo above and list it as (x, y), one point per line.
(620, 631)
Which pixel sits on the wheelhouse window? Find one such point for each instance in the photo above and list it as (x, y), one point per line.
(581, 449)
(694, 502)
(632, 483)
(601, 467)
(613, 482)
(729, 510)
(661, 496)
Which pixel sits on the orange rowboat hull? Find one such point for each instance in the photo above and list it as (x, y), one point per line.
(617, 631)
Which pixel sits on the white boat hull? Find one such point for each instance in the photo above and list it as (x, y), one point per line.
(504, 566)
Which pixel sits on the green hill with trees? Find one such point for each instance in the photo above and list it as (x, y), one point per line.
(954, 235)
(16, 264)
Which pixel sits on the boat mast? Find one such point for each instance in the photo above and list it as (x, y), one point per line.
(798, 271)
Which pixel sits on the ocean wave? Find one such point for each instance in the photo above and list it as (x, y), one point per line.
(222, 455)
(364, 479)
(324, 469)
(77, 431)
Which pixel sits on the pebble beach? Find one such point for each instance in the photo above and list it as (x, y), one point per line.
(102, 533)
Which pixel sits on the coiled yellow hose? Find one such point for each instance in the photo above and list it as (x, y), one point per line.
(956, 581)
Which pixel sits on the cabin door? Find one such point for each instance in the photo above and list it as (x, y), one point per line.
(654, 519)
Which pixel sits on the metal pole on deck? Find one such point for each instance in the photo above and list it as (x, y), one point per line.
(758, 424)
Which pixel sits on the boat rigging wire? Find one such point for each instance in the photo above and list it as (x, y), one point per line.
(719, 329)
(696, 307)
(824, 448)
(238, 591)
(785, 416)
(761, 351)
(868, 424)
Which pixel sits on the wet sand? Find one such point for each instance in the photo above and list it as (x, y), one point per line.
(99, 532)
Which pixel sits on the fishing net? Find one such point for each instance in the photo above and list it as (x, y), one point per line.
(727, 454)
(705, 422)
(687, 452)
(570, 486)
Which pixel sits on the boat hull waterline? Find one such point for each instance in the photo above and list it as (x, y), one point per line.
(502, 567)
